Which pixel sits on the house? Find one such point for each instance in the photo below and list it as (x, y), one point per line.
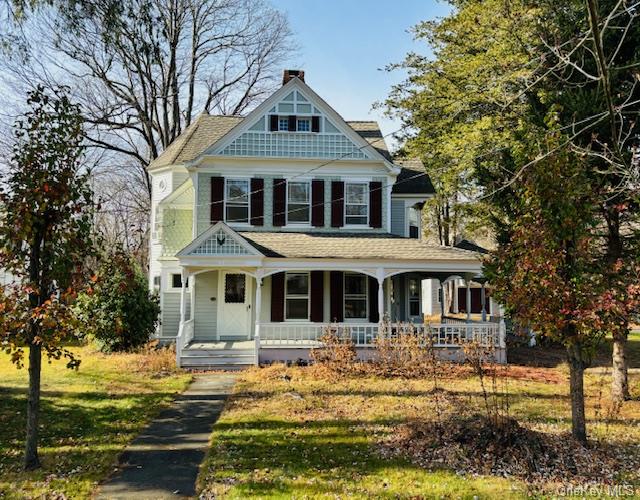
(269, 227)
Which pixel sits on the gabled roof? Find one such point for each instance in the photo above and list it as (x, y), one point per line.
(205, 131)
(370, 131)
(412, 178)
(219, 239)
(470, 245)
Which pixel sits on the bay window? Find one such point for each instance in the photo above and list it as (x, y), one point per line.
(237, 201)
(296, 296)
(356, 203)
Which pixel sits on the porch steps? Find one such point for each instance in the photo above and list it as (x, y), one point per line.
(202, 358)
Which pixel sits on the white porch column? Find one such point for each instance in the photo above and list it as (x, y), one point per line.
(455, 296)
(380, 276)
(467, 281)
(442, 301)
(183, 296)
(258, 308)
(483, 299)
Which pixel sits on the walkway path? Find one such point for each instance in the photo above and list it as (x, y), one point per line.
(163, 461)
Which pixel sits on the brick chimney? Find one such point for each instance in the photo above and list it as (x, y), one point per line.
(292, 73)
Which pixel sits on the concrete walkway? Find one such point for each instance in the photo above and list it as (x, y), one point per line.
(163, 461)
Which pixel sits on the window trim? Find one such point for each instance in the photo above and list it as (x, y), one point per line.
(355, 297)
(305, 118)
(418, 300)
(280, 122)
(226, 201)
(353, 225)
(297, 296)
(297, 223)
(171, 288)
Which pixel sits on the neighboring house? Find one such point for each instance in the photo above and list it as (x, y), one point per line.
(269, 227)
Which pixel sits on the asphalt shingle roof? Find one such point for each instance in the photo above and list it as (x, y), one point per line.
(351, 246)
(412, 178)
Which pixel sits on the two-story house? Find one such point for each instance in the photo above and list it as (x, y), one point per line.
(271, 226)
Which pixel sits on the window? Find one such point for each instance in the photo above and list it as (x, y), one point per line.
(356, 203)
(304, 125)
(297, 296)
(298, 206)
(237, 201)
(355, 296)
(176, 281)
(414, 297)
(156, 283)
(234, 288)
(414, 223)
(283, 124)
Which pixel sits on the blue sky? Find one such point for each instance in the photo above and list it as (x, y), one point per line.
(344, 46)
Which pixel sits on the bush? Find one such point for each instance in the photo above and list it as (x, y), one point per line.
(117, 312)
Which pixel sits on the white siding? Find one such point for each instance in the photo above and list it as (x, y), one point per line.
(398, 217)
(170, 314)
(206, 310)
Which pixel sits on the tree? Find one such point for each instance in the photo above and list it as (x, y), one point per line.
(117, 312)
(45, 237)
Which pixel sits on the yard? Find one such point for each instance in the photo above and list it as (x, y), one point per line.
(88, 416)
(287, 433)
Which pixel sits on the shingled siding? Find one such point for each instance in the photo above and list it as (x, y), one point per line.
(176, 230)
(398, 217)
(204, 199)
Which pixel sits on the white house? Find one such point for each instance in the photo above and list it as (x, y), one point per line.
(271, 226)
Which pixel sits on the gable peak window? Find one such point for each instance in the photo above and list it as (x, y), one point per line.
(283, 124)
(304, 125)
(298, 202)
(237, 201)
(356, 203)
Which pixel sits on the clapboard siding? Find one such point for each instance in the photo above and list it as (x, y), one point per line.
(171, 313)
(206, 317)
(398, 217)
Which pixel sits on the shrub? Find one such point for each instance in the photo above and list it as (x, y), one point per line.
(117, 312)
(337, 353)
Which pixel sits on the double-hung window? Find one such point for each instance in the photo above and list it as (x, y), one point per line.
(297, 296)
(355, 296)
(298, 203)
(356, 203)
(237, 201)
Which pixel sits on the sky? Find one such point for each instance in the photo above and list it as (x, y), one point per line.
(344, 46)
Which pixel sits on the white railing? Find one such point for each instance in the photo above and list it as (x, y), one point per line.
(185, 336)
(364, 334)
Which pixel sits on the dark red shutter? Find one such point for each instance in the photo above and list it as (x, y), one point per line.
(257, 202)
(277, 297)
(337, 204)
(375, 204)
(315, 124)
(273, 123)
(337, 296)
(462, 299)
(217, 199)
(373, 300)
(279, 202)
(317, 296)
(476, 300)
(292, 123)
(317, 203)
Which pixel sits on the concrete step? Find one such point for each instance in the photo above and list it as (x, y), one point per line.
(225, 367)
(216, 360)
(194, 351)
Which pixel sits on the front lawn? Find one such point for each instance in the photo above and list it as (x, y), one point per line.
(311, 437)
(87, 418)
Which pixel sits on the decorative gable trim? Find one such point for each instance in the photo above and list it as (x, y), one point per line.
(219, 240)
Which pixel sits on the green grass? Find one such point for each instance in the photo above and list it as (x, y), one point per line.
(87, 418)
(315, 438)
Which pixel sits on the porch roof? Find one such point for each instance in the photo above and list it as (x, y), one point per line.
(346, 245)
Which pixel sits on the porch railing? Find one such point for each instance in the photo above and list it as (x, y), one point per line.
(185, 335)
(364, 334)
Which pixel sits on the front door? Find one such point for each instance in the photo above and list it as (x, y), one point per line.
(234, 317)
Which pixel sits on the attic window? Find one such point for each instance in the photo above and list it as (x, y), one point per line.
(283, 124)
(304, 125)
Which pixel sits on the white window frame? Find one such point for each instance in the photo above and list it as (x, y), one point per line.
(355, 297)
(226, 201)
(366, 184)
(303, 119)
(281, 121)
(172, 288)
(296, 223)
(288, 296)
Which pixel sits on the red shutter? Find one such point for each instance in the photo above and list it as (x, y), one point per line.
(257, 202)
(315, 124)
(317, 203)
(273, 123)
(277, 297)
(317, 296)
(375, 204)
(279, 202)
(217, 199)
(293, 123)
(337, 204)
(373, 300)
(337, 296)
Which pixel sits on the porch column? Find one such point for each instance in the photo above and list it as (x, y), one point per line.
(483, 300)
(467, 281)
(380, 276)
(455, 295)
(183, 296)
(258, 308)
(442, 301)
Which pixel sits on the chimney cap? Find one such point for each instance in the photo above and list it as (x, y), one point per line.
(292, 73)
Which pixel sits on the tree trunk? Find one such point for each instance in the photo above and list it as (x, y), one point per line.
(576, 389)
(31, 460)
(619, 382)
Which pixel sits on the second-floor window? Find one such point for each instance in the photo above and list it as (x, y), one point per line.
(298, 203)
(304, 125)
(283, 124)
(237, 201)
(356, 203)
